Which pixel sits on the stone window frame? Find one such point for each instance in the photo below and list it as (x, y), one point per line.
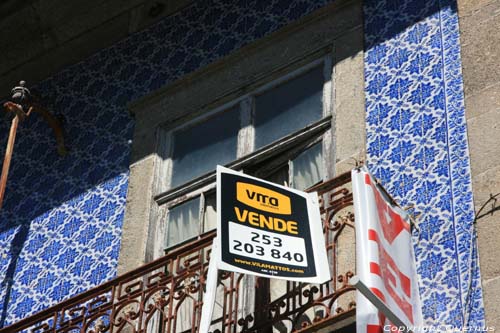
(336, 29)
(247, 156)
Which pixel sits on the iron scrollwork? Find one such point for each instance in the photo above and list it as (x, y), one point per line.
(166, 295)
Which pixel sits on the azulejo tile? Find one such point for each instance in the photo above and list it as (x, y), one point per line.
(60, 228)
(61, 224)
(418, 147)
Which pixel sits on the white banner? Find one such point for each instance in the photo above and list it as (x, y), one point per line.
(385, 261)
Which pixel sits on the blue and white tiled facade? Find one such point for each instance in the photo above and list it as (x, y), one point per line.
(61, 224)
(417, 145)
(60, 228)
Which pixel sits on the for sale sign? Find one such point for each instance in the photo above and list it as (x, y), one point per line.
(269, 230)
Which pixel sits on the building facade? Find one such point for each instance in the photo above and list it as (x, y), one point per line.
(291, 91)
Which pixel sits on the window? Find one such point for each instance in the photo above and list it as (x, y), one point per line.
(307, 168)
(278, 131)
(199, 148)
(288, 107)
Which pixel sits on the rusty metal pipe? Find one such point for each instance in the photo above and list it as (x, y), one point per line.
(21, 115)
(8, 157)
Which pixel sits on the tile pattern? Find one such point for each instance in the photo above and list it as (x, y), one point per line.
(61, 225)
(60, 229)
(417, 145)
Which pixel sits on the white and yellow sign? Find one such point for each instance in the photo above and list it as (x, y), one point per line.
(266, 230)
(269, 230)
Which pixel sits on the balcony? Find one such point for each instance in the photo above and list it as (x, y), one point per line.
(166, 295)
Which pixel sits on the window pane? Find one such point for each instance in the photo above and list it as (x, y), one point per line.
(280, 176)
(183, 222)
(289, 107)
(308, 168)
(210, 215)
(197, 150)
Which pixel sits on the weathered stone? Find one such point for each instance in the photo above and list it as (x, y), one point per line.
(349, 98)
(485, 184)
(350, 163)
(66, 54)
(489, 233)
(66, 20)
(136, 223)
(481, 48)
(491, 292)
(484, 101)
(468, 7)
(21, 38)
(488, 227)
(488, 230)
(484, 135)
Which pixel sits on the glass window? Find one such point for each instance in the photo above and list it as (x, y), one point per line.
(289, 107)
(285, 108)
(183, 222)
(279, 176)
(307, 167)
(198, 149)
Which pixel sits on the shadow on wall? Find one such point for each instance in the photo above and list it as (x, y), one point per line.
(62, 214)
(61, 223)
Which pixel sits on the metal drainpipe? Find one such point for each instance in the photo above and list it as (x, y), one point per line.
(22, 105)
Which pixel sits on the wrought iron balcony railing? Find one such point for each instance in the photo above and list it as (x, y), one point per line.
(166, 295)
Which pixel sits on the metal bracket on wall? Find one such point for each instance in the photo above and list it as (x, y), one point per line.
(22, 104)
